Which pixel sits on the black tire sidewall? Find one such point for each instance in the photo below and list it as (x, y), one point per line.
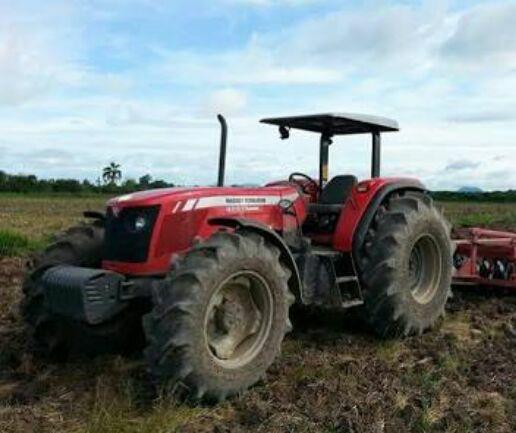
(213, 373)
(423, 224)
(178, 350)
(389, 305)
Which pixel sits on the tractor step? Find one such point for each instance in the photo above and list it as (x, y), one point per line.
(346, 279)
(326, 252)
(340, 288)
(350, 291)
(352, 303)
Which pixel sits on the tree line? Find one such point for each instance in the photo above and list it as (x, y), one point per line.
(109, 182)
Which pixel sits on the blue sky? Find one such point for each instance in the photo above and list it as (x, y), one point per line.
(140, 81)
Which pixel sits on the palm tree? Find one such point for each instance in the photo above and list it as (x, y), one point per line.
(111, 173)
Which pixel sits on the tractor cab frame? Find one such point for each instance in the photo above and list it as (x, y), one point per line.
(328, 198)
(331, 124)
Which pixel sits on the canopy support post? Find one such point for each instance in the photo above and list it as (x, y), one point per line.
(323, 159)
(375, 157)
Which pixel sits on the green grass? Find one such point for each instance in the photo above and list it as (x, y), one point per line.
(37, 217)
(389, 350)
(28, 221)
(471, 214)
(15, 244)
(121, 414)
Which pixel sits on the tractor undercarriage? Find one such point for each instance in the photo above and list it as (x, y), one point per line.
(95, 296)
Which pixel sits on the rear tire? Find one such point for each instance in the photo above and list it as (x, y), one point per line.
(219, 317)
(406, 266)
(57, 337)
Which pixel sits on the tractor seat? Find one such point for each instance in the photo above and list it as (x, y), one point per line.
(334, 195)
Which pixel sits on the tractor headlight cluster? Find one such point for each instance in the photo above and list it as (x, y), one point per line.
(140, 223)
(129, 232)
(136, 224)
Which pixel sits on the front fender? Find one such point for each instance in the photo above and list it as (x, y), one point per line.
(274, 238)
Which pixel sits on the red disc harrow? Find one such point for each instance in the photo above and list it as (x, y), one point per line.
(485, 257)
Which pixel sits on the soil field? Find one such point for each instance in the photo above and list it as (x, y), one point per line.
(333, 376)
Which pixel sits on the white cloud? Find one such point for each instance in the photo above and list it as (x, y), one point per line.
(228, 101)
(389, 41)
(462, 164)
(39, 52)
(26, 69)
(253, 65)
(365, 40)
(483, 116)
(485, 36)
(269, 3)
(416, 63)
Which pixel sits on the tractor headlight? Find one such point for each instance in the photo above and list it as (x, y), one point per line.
(136, 223)
(140, 222)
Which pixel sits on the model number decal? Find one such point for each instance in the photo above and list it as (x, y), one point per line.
(243, 202)
(236, 201)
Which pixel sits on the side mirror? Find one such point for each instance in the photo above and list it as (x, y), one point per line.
(284, 132)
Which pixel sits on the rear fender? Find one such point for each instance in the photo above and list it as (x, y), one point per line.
(273, 238)
(358, 213)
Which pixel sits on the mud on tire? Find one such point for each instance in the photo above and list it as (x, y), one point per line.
(405, 266)
(219, 317)
(56, 337)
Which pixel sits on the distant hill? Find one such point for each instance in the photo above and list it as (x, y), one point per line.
(470, 189)
(474, 195)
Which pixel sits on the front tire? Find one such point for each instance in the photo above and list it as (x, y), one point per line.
(219, 317)
(406, 266)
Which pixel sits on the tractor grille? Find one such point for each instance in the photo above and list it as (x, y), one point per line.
(124, 240)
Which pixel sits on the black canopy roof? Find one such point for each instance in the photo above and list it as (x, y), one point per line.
(336, 123)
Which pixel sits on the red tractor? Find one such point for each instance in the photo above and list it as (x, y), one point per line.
(211, 272)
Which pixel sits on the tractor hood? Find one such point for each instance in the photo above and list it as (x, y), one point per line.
(205, 196)
(153, 195)
(175, 216)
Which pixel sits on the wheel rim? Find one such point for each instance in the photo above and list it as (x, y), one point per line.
(425, 266)
(238, 319)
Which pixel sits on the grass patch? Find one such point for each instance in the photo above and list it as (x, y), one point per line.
(309, 374)
(40, 217)
(450, 363)
(15, 244)
(390, 350)
(469, 214)
(119, 414)
(458, 329)
(491, 406)
(473, 220)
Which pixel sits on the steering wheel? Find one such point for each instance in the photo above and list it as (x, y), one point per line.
(308, 187)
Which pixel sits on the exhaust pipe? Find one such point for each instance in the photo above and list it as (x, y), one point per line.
(223, 143)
